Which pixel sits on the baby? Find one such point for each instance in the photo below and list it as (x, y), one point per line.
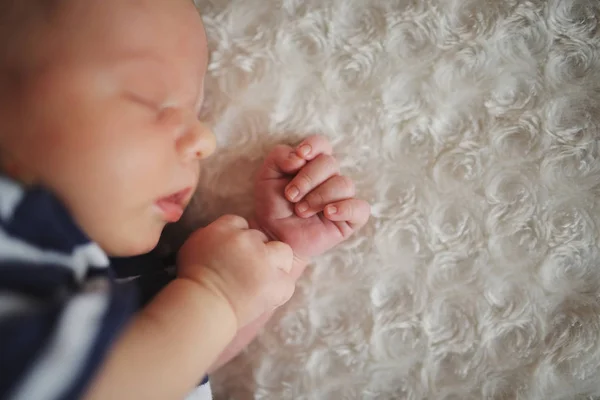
(100, 149)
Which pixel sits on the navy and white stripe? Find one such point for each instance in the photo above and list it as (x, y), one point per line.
(60, 309)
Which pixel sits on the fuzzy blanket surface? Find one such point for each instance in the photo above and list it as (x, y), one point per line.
(472, 128)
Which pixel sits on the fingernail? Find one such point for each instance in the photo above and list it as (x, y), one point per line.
(332, 210)
(302, 207)
(293, 192)
(305, 150)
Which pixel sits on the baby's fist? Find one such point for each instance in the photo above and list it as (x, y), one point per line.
(240, 265)
(303, 200)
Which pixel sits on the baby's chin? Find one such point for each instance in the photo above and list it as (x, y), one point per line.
(131, 245)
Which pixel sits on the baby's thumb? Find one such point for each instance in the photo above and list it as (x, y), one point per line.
(281, 255)
(283, 289)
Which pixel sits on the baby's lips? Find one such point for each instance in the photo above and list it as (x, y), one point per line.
(173, 206)
(172, 211)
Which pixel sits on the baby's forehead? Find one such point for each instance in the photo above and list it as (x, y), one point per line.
(134, 21)
(99, 33)
(109, 28)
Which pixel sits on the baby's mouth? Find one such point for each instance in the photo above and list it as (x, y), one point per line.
(173, 206)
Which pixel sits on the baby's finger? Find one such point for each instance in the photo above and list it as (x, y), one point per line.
(313, 146)
(281, 255)
(354, 212)
(312, 175)
(284, 289)
(228, 222)
(259, 235)
(335, 189)
(281, 161)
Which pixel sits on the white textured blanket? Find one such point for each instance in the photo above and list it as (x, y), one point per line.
(472, 127)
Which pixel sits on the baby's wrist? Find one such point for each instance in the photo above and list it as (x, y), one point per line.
(211, 294)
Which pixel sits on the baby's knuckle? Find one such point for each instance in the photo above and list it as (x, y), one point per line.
(348, 184)
(282, 248)
(280, 149)
(330, 162)
(230, 219)
(287, 251)
(240, 239)
(311, 139)
(314, 199)
(304, 180)
(349, 212)
(319, 139)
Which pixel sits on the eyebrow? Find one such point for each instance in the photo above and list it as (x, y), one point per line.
(142, 56)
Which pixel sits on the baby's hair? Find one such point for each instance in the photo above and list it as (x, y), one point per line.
(22, 23)
(17, 16)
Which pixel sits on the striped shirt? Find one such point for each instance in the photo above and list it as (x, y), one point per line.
(61, 307)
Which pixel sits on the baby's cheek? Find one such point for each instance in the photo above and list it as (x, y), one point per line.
(121, 231)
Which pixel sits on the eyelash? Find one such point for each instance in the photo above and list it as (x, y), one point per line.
(154, 106)
(143, 101)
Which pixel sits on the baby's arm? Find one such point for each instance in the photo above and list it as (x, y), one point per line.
(228, 275)
(166, 348)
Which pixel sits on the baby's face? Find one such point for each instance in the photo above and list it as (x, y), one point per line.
(111, 123)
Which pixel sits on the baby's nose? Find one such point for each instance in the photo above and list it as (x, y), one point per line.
(197, 142)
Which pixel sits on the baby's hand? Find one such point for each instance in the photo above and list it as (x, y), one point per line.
(281, 214)
(302, 200)
(240, 265)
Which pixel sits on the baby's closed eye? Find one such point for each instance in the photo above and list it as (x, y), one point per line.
(145, 101)
(146, 88)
